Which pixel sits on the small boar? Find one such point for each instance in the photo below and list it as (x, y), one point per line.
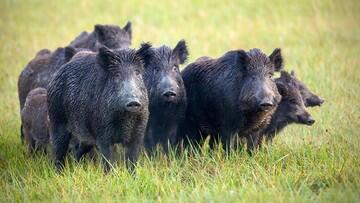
(232, 94)
(167, 97)
(112, 36)
(310, 99)
(34, 117)
(291, 109)
(101, 100)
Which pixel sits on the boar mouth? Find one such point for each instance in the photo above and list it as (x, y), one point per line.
(133, 106)
(266, 107)
(169, 96)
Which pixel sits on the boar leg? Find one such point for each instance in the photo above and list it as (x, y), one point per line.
(269, 138)
(31, 145)
(30, 142)
(253, 142)
(149, 142)
(60, 141)
(134, 146)
(132, 154)
(214, 141)
(105, 150)
(82, 150)
(168, 140)
(22, 133)
(226, 140)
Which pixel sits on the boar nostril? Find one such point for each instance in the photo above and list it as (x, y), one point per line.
(133, 106)
(169, 94)
(266, 105)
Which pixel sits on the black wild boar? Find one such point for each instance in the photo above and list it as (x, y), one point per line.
(167, 97)
(112, 36)
(101, 100)
(34, 117)
(310, 99)
(231, 94)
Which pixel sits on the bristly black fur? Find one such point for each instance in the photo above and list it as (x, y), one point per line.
(162, 77)
(224, 95)
(90, 98)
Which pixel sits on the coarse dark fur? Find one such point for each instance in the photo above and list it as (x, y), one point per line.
(112, 36)
(39, 71)
(167, 97)
(34, 117)
(100, 99)
(232, 94)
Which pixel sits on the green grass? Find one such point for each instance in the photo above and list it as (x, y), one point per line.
(319, 39)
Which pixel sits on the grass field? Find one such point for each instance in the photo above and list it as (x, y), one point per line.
(319, 39)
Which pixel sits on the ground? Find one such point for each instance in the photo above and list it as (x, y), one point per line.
(320, 40)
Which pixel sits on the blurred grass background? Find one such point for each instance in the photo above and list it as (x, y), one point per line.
(320, 41)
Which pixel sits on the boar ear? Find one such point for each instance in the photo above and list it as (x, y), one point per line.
(281, 88)
(99, 31)
(69, 53)
(180, 52)
(285, 76)
(145, 52)
(128, 28)
(43, 52)
(242, 58)
(293, 73)
(277, 59)
(106, 58)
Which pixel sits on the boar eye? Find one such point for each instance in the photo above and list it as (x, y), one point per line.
(253, 77)
(176, 68)
(271, 75)
(137, 72)
(156, 69)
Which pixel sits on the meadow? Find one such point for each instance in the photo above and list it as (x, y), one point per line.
(320, 40)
